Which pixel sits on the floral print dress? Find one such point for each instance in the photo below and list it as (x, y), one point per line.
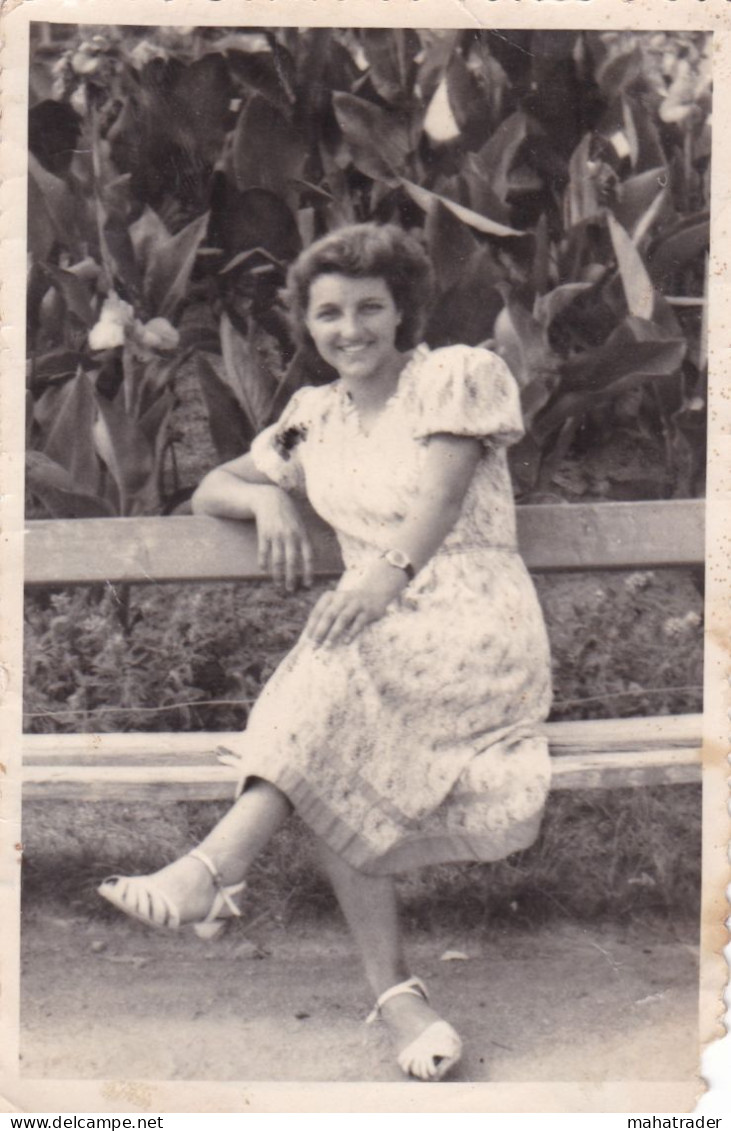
(420, 741)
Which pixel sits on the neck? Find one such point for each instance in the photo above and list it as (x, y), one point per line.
(373, 393)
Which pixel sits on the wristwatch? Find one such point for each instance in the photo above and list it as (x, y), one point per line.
(399, 560)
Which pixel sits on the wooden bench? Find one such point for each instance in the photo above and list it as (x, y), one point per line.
(596, 753)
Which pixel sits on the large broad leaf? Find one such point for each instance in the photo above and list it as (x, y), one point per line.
(75, 293)
(428, 200)
(256, 218)
(259, 74)
(451, 244)
(523, 345)
(617, 72)
(169, 268)
(480, 196)
(635, 348)
(497, 155)
(147, 232)
(391, 55)
(128, 454)
(640, 124)
(467, 101)
(555, 302)
(120, 258)
(57, 490)
(53, 367)
(677, 249)
(379, 141)
(650, 217)
(637, 194)
(268, 152)
(203, 92)
(581, 199)
(436, 50)
(53, 134)
(466, 313)
(231, 432)
(69, 413)
(246, 376)
(53, 212)
(637, 284)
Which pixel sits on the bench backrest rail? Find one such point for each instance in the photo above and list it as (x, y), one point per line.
(198, 548)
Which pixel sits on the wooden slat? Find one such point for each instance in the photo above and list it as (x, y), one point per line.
(215, 783)
(601, 754)
(591, 736)
(613, 535)
(580, 536)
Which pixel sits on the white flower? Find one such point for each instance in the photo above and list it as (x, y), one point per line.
(157, 334)
(679, 626)
(79, 100)
(106, 336)
(86, 61)
(639, 580)
(116, 315)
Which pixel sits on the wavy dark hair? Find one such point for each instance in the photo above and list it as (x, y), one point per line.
(360, 251)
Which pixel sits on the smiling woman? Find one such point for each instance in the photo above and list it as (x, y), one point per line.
(404, 725)
(353, 323)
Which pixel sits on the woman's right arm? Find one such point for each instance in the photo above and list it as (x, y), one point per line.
(238, 490)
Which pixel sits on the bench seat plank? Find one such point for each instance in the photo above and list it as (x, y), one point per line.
(591, 754)
(199, 548)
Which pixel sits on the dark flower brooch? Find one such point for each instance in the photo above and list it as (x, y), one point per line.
(287, 440)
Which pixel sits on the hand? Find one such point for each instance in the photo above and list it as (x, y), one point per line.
(340, 615)
(285, 549)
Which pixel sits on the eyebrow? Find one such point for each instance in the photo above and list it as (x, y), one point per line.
(325, 304)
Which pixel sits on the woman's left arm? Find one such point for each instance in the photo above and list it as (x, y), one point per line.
(449, 466)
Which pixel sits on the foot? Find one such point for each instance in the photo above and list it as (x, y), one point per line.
(190, 890)
(427, 1046)
(188, 886)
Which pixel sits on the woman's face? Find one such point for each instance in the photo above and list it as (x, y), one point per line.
(353, 323)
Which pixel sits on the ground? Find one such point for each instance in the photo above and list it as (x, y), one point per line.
(115, 1000)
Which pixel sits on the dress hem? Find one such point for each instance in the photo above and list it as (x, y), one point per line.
(413, 850)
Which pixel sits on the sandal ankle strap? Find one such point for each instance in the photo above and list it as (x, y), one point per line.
(413, 986)
(223, 890)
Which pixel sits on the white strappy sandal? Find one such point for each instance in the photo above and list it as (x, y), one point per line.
(436, 1050)
(141, 899)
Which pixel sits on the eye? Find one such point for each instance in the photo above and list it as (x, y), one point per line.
(327, 313)
(373, 306)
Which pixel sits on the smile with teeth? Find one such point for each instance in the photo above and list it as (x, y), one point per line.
(355, 348)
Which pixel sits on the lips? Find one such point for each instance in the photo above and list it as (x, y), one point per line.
(353, 351)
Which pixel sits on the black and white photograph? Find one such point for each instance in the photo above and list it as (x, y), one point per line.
(364, 529)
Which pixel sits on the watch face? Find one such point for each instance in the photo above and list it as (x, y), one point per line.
(398, 558)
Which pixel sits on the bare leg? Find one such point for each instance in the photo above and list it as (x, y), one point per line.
(370, 909)
(232, 846)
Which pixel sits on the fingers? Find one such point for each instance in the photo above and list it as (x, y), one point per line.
(336, 618)
(288, 558)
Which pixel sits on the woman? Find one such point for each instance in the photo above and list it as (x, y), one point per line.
(403, 726)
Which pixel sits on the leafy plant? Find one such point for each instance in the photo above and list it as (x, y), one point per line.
(559, 180)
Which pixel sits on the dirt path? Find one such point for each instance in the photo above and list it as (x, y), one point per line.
(116, 1000)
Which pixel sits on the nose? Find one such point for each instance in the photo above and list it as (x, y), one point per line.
(350, 324)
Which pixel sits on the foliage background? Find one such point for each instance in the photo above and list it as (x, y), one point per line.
(560, 181)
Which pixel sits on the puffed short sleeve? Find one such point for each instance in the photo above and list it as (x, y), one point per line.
(467, 391)
(277, 450)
